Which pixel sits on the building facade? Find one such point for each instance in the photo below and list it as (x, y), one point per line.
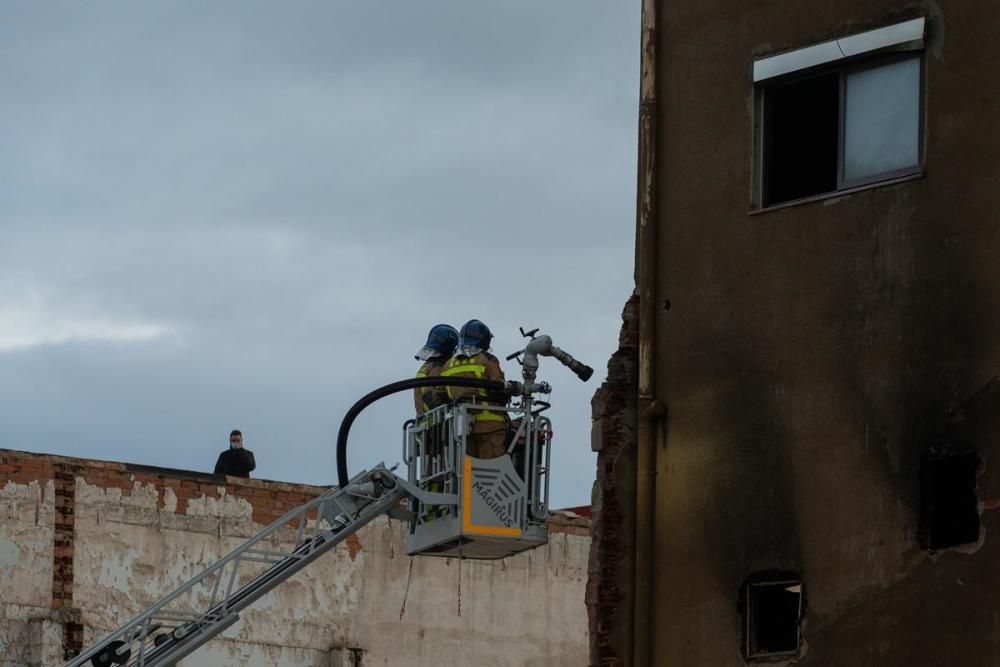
(797, 456)
(85, 545)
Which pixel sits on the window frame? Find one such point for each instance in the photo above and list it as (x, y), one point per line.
(843, 68)
(748, 654)
(863, 66)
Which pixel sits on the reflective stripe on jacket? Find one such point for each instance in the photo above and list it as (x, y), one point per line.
(483, 366)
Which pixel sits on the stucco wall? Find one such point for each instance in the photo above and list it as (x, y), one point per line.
(27, 506)
(138, 532)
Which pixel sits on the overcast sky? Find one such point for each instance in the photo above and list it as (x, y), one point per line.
(219, 215)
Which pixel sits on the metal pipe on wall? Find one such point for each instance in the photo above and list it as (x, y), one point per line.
(646, 272)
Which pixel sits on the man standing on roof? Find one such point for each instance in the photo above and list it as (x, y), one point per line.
(488, 438)
(235, 461)
(441, 342)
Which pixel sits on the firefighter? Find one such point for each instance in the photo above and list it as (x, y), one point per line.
(435, 353)
(441, 342)
(488, 437)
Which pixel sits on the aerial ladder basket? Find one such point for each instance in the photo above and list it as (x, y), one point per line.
(456, 505)
(497, 507)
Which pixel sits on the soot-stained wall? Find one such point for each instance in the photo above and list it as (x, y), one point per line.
(813, 355)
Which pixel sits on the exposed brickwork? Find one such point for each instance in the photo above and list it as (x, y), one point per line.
(62, 572)
(65, 475)
(613, 438)
(24, 467)
(569, 522)
(268, 499)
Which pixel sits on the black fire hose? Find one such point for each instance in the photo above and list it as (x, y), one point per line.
(496, 386)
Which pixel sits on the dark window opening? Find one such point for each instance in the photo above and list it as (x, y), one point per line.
(772, 608)
(949, 498)
(848, 124)
(801, 129)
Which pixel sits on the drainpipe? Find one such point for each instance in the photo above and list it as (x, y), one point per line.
(648, 408)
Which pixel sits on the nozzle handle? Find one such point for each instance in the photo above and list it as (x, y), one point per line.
(582, 371)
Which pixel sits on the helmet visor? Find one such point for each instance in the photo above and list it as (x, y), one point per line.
(427, 352)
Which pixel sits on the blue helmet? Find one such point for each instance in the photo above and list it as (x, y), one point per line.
(474, 337)
(441, 342)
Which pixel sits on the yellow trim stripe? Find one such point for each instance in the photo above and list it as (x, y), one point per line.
(467, 368)
(467, 525)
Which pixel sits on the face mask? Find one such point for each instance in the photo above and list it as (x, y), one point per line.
(234, 445)
(426, 353)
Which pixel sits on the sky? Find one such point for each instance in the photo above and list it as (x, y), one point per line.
(219, 215)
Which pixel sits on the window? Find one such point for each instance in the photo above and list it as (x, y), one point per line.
(772, 609)
(840, 115)
(949, 498)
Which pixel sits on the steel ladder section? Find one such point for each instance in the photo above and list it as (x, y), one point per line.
(169, 630)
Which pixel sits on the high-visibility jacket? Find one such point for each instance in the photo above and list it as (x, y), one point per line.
(428, 398)
(485, 367)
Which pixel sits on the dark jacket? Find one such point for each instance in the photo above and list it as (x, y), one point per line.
(235, 462)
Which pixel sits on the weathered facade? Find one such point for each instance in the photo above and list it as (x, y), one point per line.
(815, 412)
(85, 544)
(609, 584)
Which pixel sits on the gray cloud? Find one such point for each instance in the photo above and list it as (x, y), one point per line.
(248, 214)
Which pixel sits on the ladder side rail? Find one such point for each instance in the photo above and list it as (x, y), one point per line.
(524, 431)
(428, 455)
(215, 568)
(540, 468)
(452, 461)
(547, 443)
(530, 489)
(460, 428)
(155, 658)
(414, 437)
(171, 652)
(431, 428)
(318, 543)
(121, 633)
(409, 427)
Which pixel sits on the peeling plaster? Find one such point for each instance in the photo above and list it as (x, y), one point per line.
(224, 506)
(132, 547)
(169, 501)
(27, 514)
(10, 553)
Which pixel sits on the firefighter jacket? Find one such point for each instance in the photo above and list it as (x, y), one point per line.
(483, 366)
(428, 398)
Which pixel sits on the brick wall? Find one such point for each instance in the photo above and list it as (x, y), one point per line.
(64, 478)
(85, 544)
(610, 567)
(269, 500)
